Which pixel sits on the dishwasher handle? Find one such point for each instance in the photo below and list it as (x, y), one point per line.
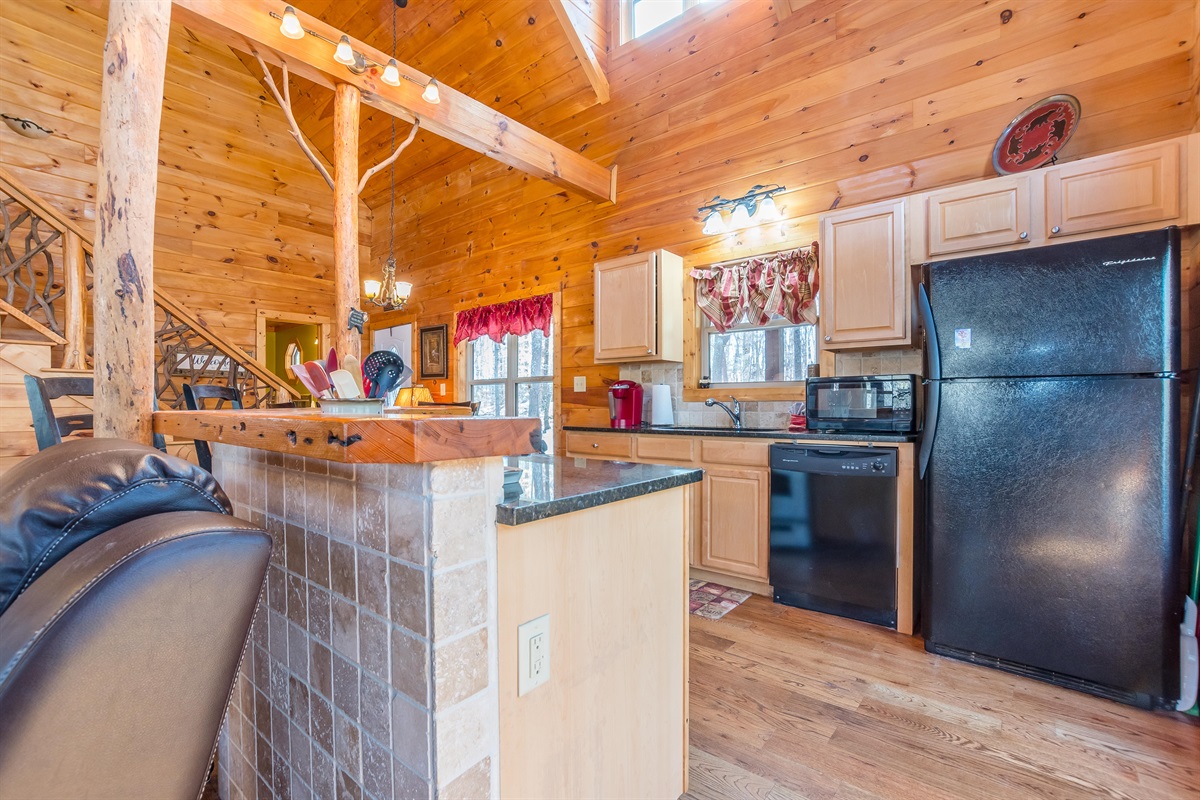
(868, 462)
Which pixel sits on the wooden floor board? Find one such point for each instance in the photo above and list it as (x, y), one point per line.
(789, 704)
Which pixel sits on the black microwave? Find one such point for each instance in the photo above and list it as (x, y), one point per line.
(865, 403)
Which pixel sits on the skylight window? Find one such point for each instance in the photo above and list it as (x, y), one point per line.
(639, 17)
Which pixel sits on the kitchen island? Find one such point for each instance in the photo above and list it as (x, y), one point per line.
(383, 665)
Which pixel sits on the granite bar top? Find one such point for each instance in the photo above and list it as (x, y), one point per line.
(391, 439)
(551, 485)
(781, 434)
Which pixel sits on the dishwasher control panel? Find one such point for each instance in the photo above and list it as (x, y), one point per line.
(869, 461)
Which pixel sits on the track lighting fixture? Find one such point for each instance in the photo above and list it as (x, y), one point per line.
(344, 53)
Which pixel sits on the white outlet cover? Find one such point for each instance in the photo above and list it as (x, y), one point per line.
(581, 383)
(533, 635)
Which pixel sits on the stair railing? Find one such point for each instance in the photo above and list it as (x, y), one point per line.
(45, 258)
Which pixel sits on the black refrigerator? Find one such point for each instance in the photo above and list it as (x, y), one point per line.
(1051, 464)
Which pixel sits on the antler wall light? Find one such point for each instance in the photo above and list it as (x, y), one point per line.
(356, 62)
(755, 206)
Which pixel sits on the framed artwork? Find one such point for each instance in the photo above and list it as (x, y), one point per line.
(434, 363)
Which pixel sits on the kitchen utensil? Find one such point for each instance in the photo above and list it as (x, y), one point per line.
(350, 364)
(319, 377)
(301, 373)
(344, 384)
(331, 362)
(386, 370)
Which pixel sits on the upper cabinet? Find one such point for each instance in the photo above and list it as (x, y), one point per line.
(986, 214)
(864, 278)
(1145, 187)
(639, 308)
(1133, 187)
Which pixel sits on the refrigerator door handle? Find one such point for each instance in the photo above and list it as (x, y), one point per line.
(933, 395)
(933, 356)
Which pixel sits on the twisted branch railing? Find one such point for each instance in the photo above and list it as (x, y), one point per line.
(45, 264)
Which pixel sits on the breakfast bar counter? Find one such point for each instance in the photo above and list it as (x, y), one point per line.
(383, 662)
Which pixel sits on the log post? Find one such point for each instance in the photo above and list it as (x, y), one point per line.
(346, 291)
(76, 288)
(135, 57)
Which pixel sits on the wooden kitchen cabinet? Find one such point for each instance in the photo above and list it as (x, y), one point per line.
(995, 213)
(1134, 187)
(639, 308)
(1133, 190)
(581, 444)
(735, 521)
(865, 291)
(729, 520)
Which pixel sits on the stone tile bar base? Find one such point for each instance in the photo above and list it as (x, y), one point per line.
(372, 668)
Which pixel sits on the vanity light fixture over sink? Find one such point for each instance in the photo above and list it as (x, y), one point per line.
(754, 207)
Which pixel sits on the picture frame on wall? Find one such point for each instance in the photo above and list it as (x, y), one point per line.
(434, 361)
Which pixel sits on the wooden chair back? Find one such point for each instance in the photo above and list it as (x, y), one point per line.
(48, 427)
(194, 395)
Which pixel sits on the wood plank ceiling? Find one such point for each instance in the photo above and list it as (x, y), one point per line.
(513, 56)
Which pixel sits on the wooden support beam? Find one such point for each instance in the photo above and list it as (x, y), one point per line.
(135, 59)
(592, 68)
(75, 278)
(346, 293)
(247, 26)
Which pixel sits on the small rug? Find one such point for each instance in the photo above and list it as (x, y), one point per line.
(712, 600)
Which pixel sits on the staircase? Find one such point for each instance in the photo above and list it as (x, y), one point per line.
(45, 268)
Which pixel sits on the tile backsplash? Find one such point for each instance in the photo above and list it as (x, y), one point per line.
(879, 362)
(762, 414)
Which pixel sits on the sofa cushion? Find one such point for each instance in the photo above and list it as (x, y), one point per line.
(59, 498)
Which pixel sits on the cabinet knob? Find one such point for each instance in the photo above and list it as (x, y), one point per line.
(1024, 235)
(1056, 229)
(595, 444)
(649, 351)
(829, 338)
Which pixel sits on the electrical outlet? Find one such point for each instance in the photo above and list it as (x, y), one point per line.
(581, 383)
(533, 654)
(441, 388)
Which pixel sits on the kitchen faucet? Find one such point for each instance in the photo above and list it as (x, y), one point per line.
(734, 413)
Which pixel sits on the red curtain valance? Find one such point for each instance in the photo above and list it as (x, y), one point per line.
(517, 317)
(783, 284)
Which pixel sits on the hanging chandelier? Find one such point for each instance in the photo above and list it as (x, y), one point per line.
(391, 295)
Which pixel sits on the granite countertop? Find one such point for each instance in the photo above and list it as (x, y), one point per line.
(551, 485)
(753, 433)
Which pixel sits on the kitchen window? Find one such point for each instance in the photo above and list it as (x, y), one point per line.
(514, 378)
(749, 355)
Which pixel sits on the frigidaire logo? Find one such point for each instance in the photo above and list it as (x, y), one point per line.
(1126, 261)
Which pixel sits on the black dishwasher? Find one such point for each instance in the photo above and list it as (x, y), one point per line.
(833, 530)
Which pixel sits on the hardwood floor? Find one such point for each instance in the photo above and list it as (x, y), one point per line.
(789, 704)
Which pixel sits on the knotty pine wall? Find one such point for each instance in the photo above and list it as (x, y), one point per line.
(844, 102)
(243, 220)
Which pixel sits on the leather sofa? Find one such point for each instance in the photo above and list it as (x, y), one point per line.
(127, 590)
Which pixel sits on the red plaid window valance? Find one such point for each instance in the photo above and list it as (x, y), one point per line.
(758, 289)
(518, 317)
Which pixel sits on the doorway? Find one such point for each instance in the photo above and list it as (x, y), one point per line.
(284, 339)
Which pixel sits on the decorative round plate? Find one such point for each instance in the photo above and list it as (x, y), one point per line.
(1032, 139)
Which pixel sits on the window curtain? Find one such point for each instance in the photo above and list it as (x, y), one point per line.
(518, 317)
(783, 284)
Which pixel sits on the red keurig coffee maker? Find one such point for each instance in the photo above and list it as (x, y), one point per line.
(625, 404)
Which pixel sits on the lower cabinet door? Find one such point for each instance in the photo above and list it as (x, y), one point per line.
(734, 521)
